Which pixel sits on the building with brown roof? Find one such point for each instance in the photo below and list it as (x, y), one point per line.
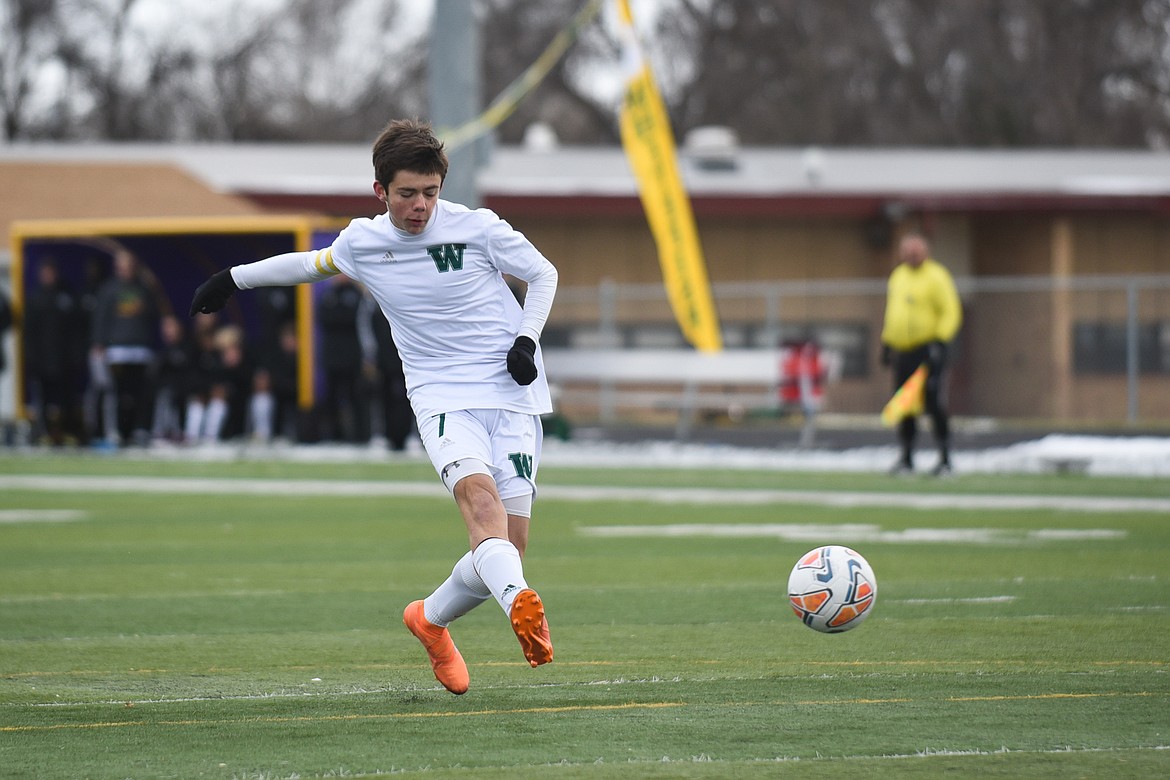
(1062, 257)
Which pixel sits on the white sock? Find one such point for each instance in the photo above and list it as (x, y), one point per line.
(261, 410)
(497, 561)
(217, 410)
(110, 414)
(195, 414)
(462, 592)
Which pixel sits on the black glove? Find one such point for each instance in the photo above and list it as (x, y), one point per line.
(936, 355)
(213, 294)
(887, 355)
(522, 360)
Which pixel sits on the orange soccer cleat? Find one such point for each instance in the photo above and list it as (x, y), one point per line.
(531, 627)
(445, 657)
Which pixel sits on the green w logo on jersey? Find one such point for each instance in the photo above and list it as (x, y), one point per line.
(522, 462)
(447, 256)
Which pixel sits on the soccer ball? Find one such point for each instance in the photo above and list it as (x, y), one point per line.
(832, 589)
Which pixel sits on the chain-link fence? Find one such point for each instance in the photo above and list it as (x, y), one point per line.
(1091, 349)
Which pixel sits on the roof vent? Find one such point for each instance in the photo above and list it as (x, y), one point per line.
(713, 148)
(812, 162)
(540, 137)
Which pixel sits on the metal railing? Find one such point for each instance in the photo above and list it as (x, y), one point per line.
(1090, 337)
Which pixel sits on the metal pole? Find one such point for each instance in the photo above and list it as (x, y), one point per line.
(1132, 353)
(453, 67)
(771, 317)
(607, 302)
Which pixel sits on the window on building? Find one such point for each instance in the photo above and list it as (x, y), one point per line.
(1102, 348)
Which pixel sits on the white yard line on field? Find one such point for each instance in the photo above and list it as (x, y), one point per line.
(41, 515)
(851, 533)
(657, 495)
(201, 485)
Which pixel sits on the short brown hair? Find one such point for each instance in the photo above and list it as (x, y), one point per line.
(408, 145)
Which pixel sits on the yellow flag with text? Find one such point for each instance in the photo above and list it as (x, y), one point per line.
(649, 145)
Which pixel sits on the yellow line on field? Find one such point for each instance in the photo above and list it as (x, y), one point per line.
(314, 668)
(582, 663)
(957, 699)
(350, 717)
(979, 662)
(1034, 696)
(858, 701)
(559, 710)
(559, 663)
(79, 726)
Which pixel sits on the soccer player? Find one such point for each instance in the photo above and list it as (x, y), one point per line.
(472, 363)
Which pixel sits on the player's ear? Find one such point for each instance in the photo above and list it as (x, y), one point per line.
(380, 191)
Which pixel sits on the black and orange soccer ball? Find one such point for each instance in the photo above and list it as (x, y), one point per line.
(832, 589)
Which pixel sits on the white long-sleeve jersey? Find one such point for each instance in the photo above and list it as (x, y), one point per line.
(451, 311)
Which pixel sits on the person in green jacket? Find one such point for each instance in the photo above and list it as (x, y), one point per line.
(923, 315)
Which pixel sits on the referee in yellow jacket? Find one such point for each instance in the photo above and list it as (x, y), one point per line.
(923, 314)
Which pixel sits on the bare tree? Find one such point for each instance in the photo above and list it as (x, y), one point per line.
(1081, 73)
(301, 73)
(26, 27)
(919, 72)
(303, 70)
(123, 85)
(514, 34)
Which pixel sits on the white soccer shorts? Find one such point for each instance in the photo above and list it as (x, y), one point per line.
(508, 443)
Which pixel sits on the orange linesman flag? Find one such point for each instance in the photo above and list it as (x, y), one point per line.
(908, 400)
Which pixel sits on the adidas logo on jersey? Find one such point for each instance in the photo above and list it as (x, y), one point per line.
(387, 258)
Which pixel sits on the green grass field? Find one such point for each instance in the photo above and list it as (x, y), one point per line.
(242, 620)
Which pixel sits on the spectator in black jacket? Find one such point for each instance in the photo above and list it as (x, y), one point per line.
(173, 368)
(54, 336)
(346, 400)
(277, 307)
(279, 369)
(97, 380)
(383, 367)
(235, 380)
(125, 338)
(6, 320)
(207, 407)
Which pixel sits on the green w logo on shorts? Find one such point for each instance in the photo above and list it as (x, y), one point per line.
(447, 256)
(522, 462)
